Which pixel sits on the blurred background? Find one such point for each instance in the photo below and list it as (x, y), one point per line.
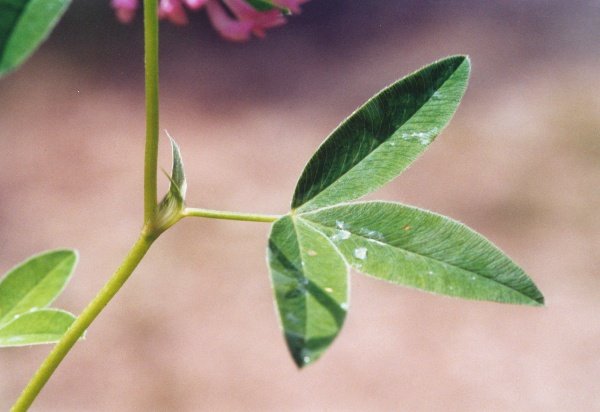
(195, 329)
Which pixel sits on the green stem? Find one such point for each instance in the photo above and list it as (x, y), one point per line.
(82, 322)
(150, 233)
(151, 153)
(110, 289)
(142, 245)
(217, 214)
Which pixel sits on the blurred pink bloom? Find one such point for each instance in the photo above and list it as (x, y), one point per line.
(125, 9)
(235, 20)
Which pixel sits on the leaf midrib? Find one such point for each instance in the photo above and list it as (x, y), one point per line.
(302, 269)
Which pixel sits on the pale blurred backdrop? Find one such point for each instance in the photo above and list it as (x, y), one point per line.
(195, 328)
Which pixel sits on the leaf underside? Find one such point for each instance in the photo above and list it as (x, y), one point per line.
(24, 25)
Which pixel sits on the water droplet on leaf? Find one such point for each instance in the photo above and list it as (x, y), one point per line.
(341, 235)
(360, 253)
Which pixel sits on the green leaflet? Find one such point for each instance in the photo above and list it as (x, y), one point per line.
(24, 293)
(310, 281)
(35, 283)
(24, 25)
(401, 244)
(382, 138)
(35, 327)
(416, 248)
(178, 187)
(174, 201)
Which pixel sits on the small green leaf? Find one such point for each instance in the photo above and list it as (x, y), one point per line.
(178, 186)
(173, 203)
(24, 25)
(310, 282)
(36, 327)
(35, 283)
(382, 138)
(416, 248)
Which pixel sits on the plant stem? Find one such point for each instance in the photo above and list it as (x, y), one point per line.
(82, 322)
(150, 232)
(217, 214)
(151, 64)
(139, 249)
(110, 289)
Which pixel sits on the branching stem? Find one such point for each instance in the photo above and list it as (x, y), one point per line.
(149, 234)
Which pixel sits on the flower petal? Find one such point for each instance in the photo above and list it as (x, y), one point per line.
(173, 11)
(260, 20)
(125, 9)
(227, 26)
(195, 4)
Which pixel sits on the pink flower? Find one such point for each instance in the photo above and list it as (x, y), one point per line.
(235, 20)
(125, 9)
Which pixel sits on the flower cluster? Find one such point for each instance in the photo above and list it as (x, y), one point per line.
(235, 20)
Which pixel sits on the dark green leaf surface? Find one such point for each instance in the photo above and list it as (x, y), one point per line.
(382, 138)
(35, 283)
(310, 282)
(24, 25)
(36, 327)
(416, 248)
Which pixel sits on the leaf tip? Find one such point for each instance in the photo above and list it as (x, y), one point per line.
(458, 61)
(70, 255)
(539, 301)
(302, 362)
(301, 355)
(467, 60)
(178, 180)
(535, 297)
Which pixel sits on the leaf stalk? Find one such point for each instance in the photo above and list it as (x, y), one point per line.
(217, 214)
